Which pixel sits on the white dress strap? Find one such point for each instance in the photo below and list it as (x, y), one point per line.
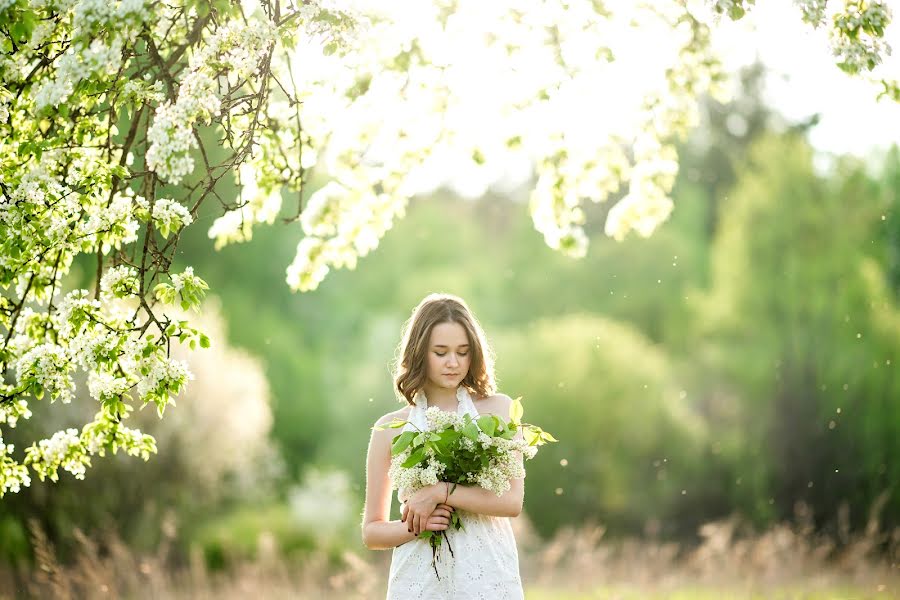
(466, 404)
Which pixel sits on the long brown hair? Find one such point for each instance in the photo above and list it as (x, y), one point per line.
(410, 368)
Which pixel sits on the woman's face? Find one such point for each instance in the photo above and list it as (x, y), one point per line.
(448, 355)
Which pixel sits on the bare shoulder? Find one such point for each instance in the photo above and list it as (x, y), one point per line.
(398, 415)
(496, 404)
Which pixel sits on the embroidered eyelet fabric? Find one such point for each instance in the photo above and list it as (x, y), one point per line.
(485, 561)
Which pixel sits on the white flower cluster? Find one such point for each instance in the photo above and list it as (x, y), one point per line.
(162, 371)
(37, 189)
(179, 280)
(441, 419)
(565, 178)
(64, 450)
(113, 225)
(13, 476)
(48, 365)
(171, 141)
(505, 466)
(97, 58)
(11, 412)
(171, 215)
(103, 385)
(89, 13)
(643, 209)
(95, 347)
(813, 11)
(139, 92)
(852, 39)
(101, 433)
(331, 22)
(321, 215)
(237, 47)
(119, 282)
(363, 220)
(51, 92)
(72, 310)
(85, 60)
(408, 480)
(257, 205)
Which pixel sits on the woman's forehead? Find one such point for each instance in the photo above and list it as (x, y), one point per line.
(449, 334)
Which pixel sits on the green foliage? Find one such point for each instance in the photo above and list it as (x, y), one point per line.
(236, 536)
(628, 438)
(800, 321)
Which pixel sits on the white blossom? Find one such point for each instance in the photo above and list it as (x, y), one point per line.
(162, 371)
(119, 281)
(171, 214)
(63, 449)
(49, 365)
(103, 385)
(237, 47)
(187, 276)
(11, 412)
(13, 476)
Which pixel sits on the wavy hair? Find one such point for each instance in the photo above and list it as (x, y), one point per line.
(410, 367)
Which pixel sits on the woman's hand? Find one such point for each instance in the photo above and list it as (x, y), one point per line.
(440, 518)
(421, 505)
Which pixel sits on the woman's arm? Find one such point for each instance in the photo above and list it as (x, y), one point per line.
(479, 500)
(466, 497)
(378, 533)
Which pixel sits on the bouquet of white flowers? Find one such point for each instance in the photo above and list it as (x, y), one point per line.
(461, 450)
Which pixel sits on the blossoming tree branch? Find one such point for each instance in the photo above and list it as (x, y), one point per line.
(119, 119)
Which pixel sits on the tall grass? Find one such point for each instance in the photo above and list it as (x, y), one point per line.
(789, 560)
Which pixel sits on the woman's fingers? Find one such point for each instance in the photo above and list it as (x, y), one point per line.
(436, 523)
(437, 520)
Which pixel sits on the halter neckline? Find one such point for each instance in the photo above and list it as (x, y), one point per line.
(461, 394)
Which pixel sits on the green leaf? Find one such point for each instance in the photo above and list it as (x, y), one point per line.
(487, 424)
(401, 442)
(516, 411)
(471, 432)
(414, 459)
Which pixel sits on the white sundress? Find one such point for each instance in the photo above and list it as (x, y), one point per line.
(485, 561)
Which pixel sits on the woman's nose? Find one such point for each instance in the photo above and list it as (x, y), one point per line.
(452, 360)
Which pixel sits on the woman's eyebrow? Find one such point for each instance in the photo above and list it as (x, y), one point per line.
(443, 346)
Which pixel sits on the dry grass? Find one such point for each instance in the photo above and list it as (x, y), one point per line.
(788, 561)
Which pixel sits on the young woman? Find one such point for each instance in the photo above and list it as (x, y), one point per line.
(443, 361)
